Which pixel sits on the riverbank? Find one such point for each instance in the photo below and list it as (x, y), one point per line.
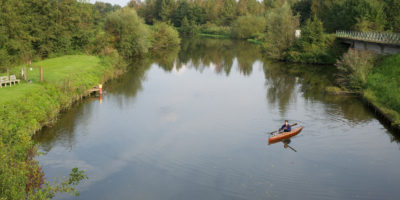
(28, 106)
(383, 89)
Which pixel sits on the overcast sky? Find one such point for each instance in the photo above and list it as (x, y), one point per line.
(119, 2)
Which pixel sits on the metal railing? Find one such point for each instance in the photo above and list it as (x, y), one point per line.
(384, 38)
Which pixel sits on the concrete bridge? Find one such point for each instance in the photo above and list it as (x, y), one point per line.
(382, 43)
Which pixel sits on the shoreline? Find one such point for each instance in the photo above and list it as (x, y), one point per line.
(28, 107)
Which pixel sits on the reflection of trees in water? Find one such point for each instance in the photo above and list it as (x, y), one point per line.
(280, 84)
(311, 81)
(63, 131)
(246, 56)
(201, 53)
(166, 58)
(125, 88)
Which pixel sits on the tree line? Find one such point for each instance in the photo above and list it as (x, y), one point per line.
(38, 29)
(273, 22)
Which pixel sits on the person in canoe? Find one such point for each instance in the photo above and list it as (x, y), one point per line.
(286, 127)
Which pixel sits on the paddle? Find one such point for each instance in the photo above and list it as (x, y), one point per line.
(278, 130)
(291, 147)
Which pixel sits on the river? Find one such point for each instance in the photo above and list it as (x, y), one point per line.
(192, 123)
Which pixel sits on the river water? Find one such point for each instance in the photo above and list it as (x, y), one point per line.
(191, 124)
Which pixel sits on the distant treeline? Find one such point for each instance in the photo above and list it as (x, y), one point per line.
(37, 29)
(362, 15)
(272, 23)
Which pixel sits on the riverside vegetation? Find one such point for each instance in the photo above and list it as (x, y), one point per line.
(61, 31)
(80, 45)
(272, 24)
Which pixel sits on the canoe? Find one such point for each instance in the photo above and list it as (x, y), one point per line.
(285, 135)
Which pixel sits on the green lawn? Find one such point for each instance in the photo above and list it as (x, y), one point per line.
(15, 92)
(81, 71)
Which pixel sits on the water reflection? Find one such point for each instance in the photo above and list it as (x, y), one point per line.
(188, 124)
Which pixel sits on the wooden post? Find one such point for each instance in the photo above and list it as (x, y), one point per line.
(25, 76)
(101, 89)
(41, 74)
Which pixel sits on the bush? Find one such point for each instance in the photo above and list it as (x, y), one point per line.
(246, 27)
(164, 36)
(354, 67)
(131, 36)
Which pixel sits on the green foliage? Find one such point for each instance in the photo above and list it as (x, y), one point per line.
(188, 28)
(214, 29)
(229, 11)
(246, 27)
(164, 36)
(314, 46)
(63, 185)
(354, 67)
(37, 29)
(131, 36)
(392, 8)
(384, 82)
(191, 12)
(248, 7)
(280, 34)
(164, 9)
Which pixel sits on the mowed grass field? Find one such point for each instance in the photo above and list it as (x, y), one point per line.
(80, 71)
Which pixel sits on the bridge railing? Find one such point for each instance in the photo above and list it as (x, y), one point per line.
(385, 38)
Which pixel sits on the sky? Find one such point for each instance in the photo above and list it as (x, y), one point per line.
(119, 2)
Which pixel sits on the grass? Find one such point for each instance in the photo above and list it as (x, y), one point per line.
(254, 41)
(214, 35)
(27, 107)
(383, 87)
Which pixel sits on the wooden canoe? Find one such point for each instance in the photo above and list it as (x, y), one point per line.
(285, 135)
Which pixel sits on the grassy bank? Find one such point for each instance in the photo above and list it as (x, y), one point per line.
(383, 88)
(27, 107)
(214, 35)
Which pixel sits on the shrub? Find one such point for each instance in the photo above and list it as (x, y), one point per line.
(246, 27)
(354, 67)
(131, 36)
(164, 36)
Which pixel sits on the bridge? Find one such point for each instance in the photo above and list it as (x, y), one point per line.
(382, 43)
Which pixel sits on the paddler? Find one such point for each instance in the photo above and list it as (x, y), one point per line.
(286, 127)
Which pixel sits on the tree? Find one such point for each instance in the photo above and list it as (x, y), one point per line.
(392, 10)
(229, 11)
(164, 36)
(248, 7)
(164, 9)
(248, 26)
(188, 27)
(367, 15)
(280, 34)
(131, 36)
